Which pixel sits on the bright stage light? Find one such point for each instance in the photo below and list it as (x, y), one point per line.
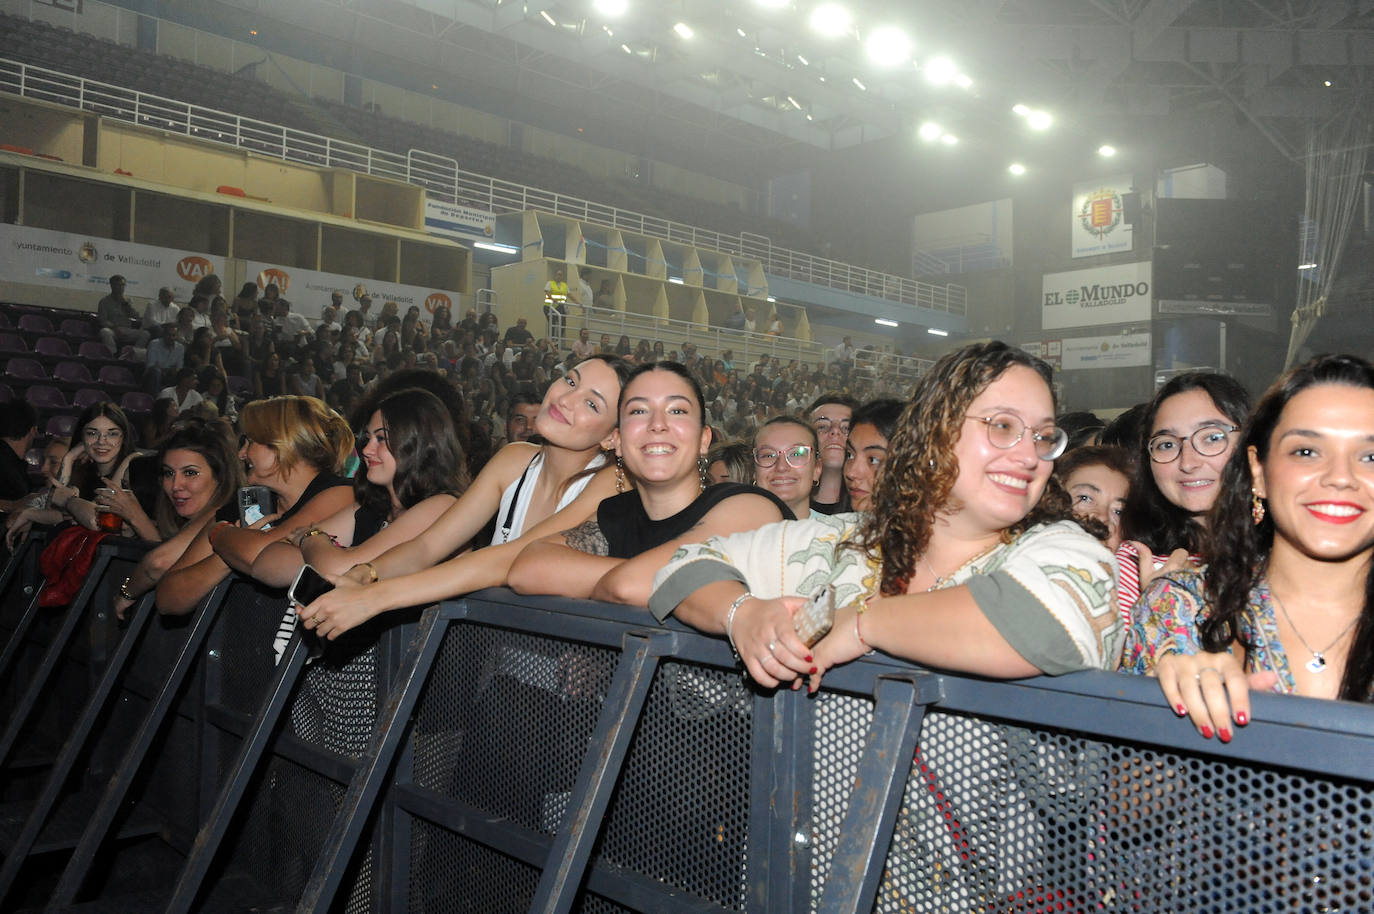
(949, 139)
(941, 71)
(831, 20)
(1016, 168)
(882, 321)
(888, 46)
(771, 4)
(611, 8)
(1020, 110)
(930, 131)
(549, 19)
(935, 332)
(1106, 151)
(1039, 120)
(683, 30)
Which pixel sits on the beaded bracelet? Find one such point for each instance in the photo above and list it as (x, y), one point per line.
(372, 570)
(730, 618)
(124, 589)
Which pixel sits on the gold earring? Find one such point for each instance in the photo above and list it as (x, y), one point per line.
(620, 484)
(1256, 508)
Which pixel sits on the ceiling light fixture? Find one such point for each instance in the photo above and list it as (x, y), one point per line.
(888, 46)
(549, 19)
(804, 61)
(611, 8)
(683, 30)
(860, 83)
(949, 139)
(934, 332)
(1106, 151)
(884, 322)
(1016, 168)
(831, 20)
(1039, 120)
(1020, 110)
(930, 131)
(941, 71)
(795, 104)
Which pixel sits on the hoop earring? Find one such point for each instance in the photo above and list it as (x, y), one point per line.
(620, 484)
(1256, 508)
(702, 465)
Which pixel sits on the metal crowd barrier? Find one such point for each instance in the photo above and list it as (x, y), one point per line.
(541, 754)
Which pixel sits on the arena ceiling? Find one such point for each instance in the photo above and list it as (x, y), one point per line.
(755, 84)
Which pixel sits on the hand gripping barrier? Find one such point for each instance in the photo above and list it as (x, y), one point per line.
(541, 754)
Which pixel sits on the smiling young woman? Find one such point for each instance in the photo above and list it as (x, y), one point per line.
(1288, 600)
(966, 560)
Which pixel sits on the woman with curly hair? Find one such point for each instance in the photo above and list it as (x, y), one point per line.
(968, 558)
(1288, 599)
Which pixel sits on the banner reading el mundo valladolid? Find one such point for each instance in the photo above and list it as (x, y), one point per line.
(1105, 295)
(1098, 226)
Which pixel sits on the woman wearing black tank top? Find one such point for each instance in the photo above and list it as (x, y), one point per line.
(296, 447)
(662, 441)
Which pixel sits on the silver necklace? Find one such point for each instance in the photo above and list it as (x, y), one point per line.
(1318, 662)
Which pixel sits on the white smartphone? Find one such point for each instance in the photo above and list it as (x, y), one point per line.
(814, 619)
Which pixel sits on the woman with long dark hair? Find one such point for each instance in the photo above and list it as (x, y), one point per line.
(865, 451)
(413, 471)
(661, 443)
(1288, 598)
(968, 558)
(1187, 435)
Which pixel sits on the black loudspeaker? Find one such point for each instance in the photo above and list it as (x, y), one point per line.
(1130, 208)
(1223, 256)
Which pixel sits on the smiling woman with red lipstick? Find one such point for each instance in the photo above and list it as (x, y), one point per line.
(1288, 602)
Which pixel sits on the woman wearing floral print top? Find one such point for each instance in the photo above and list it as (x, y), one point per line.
(1289, 598)
(951, 542)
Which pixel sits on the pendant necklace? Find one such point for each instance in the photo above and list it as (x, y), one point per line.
(1318, 662)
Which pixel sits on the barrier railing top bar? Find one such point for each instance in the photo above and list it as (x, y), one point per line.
(780, 261)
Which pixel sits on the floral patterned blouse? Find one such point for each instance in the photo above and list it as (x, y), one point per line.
(1167, 618)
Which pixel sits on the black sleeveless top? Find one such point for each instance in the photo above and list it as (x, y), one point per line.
(366, 524)
(629, 530)
(322, 481)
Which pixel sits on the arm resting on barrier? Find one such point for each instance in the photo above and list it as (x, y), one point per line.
(239, 547)
(191, 577)
(351, 603)
(154, 565)
(568, 563)
(330, 558)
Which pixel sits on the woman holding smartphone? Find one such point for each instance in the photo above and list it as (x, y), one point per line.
(293, 446)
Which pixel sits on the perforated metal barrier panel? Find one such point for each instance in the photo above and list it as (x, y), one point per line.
(550, 755)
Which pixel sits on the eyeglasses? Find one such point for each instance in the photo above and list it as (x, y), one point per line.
(1208, 441)
(1005, 431)
(95, 435)
(364, 438)
(796, 457)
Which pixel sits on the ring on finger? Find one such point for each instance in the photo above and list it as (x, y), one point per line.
(1198, 674)
(771, 645)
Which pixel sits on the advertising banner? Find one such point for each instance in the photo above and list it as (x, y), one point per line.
(1088, 298)
(309, 290)
(452, 220)
(46, 258)
(1131, 351)
(1098, 227)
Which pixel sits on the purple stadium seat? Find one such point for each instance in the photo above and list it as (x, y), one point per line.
(80, 329)
(12, 342)
(136, 401)
(61, 426)
(26, 368)
(117, 375)
(52, 345)
(93, 349)
(72, 373)
(35, 323)
(41, 396)
(88, 396)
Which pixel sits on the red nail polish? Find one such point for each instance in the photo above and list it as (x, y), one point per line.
(1224, 735)
(814, 670)
(1242, 718)
(808, 660)
(1206, 732)
(1180, 710)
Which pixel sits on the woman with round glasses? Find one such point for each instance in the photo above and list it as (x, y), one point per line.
(661, 442)
(960, 563)
(786, 462)
(1187, 431)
